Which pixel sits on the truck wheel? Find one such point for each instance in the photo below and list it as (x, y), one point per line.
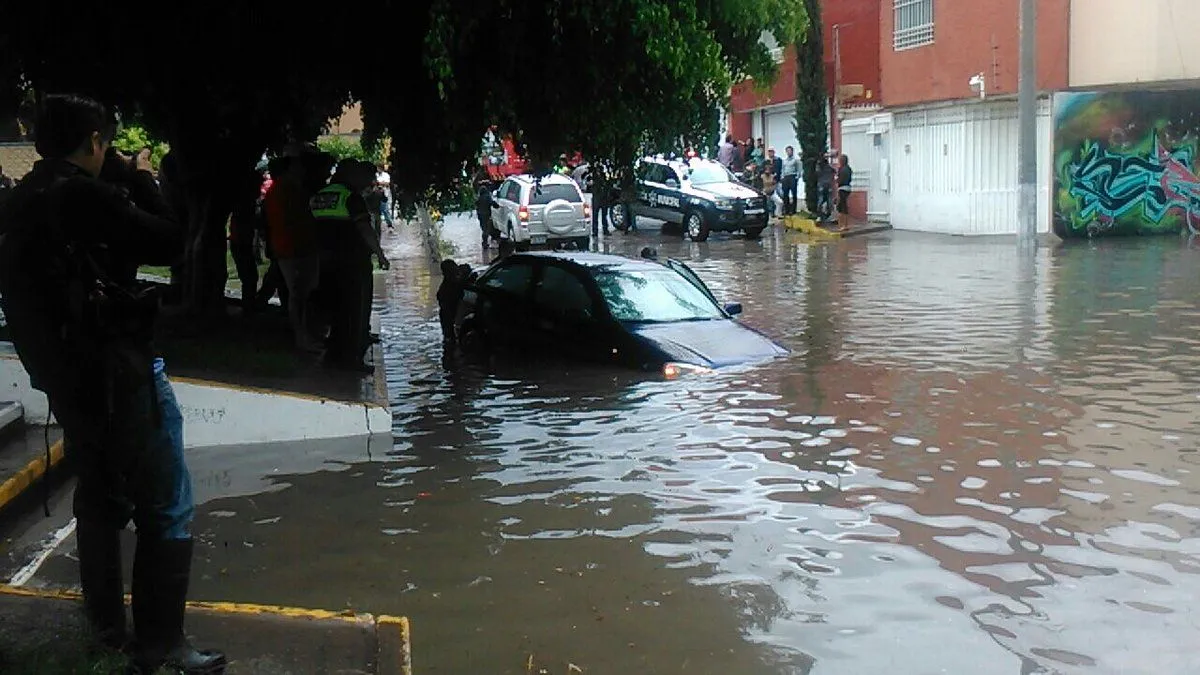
(695, 227)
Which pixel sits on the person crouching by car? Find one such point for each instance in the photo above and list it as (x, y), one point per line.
(72, 236)
(449, 295)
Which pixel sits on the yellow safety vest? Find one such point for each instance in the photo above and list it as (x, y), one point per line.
(331, 202)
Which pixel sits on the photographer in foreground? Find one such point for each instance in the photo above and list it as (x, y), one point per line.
(72, 236)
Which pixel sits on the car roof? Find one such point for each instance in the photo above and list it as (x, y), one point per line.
(548, 179)
(679, 163)
(591, 260)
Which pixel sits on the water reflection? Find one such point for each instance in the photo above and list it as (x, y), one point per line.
(976, 460)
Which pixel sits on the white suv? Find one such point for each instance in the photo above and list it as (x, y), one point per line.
(550, 211)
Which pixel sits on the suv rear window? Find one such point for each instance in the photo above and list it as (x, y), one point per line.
(544, 194)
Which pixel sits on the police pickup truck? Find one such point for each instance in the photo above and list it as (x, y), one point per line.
(700, 195)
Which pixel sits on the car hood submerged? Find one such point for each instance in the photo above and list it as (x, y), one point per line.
(715, 343)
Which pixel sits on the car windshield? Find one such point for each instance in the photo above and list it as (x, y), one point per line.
(654, 296)
(703, 174)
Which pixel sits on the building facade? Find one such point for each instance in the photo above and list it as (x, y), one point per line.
(850, 30)
(1127, 134)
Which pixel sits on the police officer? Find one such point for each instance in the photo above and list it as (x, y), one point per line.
(345, 231)
(71, 238)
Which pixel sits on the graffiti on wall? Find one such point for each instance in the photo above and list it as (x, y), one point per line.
(1126, 163)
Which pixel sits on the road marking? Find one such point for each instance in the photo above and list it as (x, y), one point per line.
(31, 568)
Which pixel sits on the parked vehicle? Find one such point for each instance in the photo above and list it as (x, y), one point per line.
(605, 309)
(700, 195)
(548, 211)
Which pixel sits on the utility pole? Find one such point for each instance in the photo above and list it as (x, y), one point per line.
(1027, 215)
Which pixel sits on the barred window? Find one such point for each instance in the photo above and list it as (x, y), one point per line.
(914, 24)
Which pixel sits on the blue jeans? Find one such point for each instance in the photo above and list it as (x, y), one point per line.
(174, 509)
(128, 456)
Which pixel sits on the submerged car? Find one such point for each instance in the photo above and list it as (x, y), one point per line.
(605, 309)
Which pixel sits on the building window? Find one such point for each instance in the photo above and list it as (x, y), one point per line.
(914, 24)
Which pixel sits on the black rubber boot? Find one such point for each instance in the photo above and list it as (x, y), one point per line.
(160, 584)
(99, 550)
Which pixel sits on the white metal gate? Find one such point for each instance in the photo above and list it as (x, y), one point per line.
(954, 168)
(866, 141)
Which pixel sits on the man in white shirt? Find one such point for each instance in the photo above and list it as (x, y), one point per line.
(791, 181)
(383, 183)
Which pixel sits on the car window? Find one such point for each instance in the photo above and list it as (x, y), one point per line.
(544, 194)
(669, 173)
(654, 296)
(514, 278)
(644, 170)
(702, 174)
(560, 291)
(514, 191)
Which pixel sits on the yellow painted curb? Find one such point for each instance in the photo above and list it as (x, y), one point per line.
(395, 645)
(809, 226)
(393, 633)
(14, 487)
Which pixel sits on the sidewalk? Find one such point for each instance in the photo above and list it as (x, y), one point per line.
(829, 230)
(41, 631)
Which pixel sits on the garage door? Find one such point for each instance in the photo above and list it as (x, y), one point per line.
(780, 133)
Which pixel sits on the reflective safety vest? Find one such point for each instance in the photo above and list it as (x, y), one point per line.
(330, 202)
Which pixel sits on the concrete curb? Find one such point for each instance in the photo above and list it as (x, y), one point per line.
(813, 228)
(392, 633)
(808, 226)
(24, 479)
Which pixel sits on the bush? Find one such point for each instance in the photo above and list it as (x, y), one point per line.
(133, 137)
(341, 148)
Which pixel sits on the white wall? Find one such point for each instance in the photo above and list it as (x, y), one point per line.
(218, 415)
(1129, 41)
(954, 168)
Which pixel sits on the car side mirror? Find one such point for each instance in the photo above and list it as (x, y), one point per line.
(672, 183)
(733, 308)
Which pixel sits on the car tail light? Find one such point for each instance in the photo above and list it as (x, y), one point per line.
(587, 210)
(523, 214)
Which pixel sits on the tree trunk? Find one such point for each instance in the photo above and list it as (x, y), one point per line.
(812, 126)
(205, 269)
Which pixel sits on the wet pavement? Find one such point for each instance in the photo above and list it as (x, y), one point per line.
(976, 460)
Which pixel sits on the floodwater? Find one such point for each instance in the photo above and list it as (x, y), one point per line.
(976, 460)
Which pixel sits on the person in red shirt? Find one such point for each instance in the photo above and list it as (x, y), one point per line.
(292, 234)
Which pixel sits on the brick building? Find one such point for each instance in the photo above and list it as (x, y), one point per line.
(932, 133)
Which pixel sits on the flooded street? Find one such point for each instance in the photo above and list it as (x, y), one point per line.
(974, 461)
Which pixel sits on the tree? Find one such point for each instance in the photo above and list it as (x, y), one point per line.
(812, 124)
(221, 82)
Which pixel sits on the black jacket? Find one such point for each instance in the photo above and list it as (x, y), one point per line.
(57, 216)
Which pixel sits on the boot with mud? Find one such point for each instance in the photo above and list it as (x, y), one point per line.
(160, 584)
(98, 546)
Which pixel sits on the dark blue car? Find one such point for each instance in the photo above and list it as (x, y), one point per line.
(605, 309)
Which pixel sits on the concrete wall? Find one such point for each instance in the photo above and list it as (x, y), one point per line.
(218, 415)
(1126, 163)
(970, 38)
(1119, 41)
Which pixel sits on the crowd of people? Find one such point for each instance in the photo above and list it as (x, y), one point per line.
(320, 233)
(773, 175)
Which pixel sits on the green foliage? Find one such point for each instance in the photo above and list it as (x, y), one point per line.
(131, 138)
(812, 125)
(226, 81)
(342, 148)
